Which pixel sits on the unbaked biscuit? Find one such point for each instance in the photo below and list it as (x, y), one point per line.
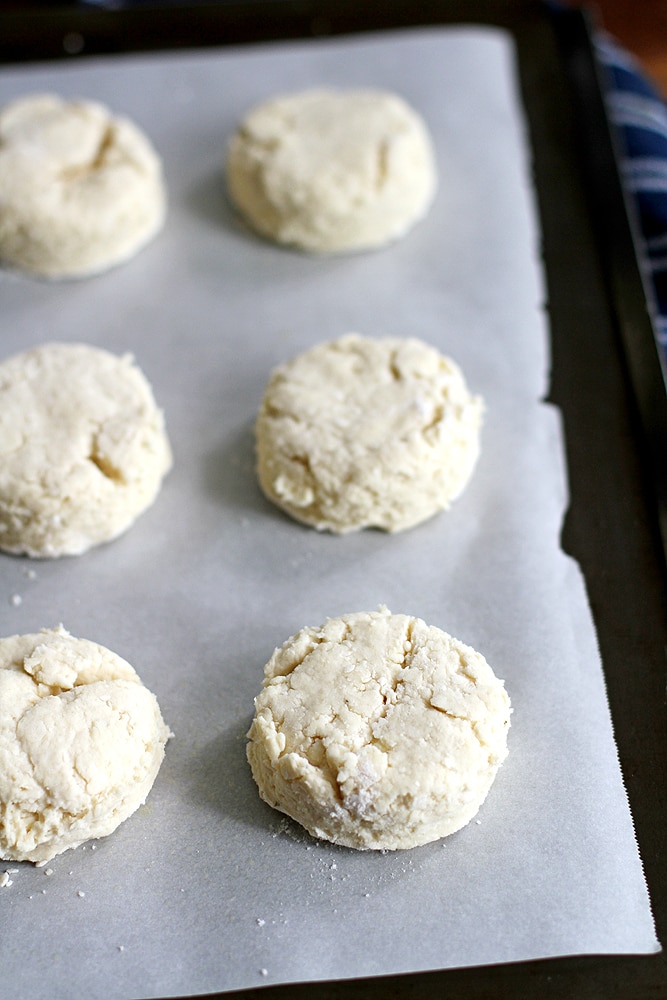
(81, 742)
(81, 189)
(331, 171)
(377, 731)
(83, 449)
(361, 433)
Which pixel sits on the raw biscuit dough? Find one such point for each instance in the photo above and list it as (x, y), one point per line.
(83, 449)
(377, 731)
(80, 189)
(359, 433)
(81, 742)
(331, 171)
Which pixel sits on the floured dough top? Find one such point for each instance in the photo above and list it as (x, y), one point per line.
(377, 731)
(83, 448)
(81, 741)
(331, 171)
(80, 188)
(360, 433)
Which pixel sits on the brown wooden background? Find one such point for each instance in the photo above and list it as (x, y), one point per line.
(641, 27)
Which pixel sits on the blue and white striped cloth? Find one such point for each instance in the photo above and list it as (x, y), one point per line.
(637, 110)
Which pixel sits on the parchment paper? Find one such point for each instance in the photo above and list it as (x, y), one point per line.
(206, 888)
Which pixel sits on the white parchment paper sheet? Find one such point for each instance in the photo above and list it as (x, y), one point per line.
(206, 888)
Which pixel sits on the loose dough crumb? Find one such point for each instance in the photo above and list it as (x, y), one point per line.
(81, 189)
(81, 742)
(367, 433)
(332, 171)
(83, 449)
(375, 742)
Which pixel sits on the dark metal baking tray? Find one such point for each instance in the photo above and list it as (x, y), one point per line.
(607, 379)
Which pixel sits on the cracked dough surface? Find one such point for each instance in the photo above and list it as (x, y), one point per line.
(81, 189)
(367, 433)
(377, 731)
(332, 171)
(83, 449)
(81, 742)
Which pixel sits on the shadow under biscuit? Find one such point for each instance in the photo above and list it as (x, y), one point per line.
(221, 780)
(208, 201)
(229, 472)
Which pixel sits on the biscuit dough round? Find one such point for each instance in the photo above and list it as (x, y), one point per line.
(81, 742)
(332, 171)
(362, 433)
(83, 449)
(81, 189)
(377, 731)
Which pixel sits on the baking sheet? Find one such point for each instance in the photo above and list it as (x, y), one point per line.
(206, 888)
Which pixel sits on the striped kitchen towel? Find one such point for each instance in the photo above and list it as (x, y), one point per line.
(639, 113)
